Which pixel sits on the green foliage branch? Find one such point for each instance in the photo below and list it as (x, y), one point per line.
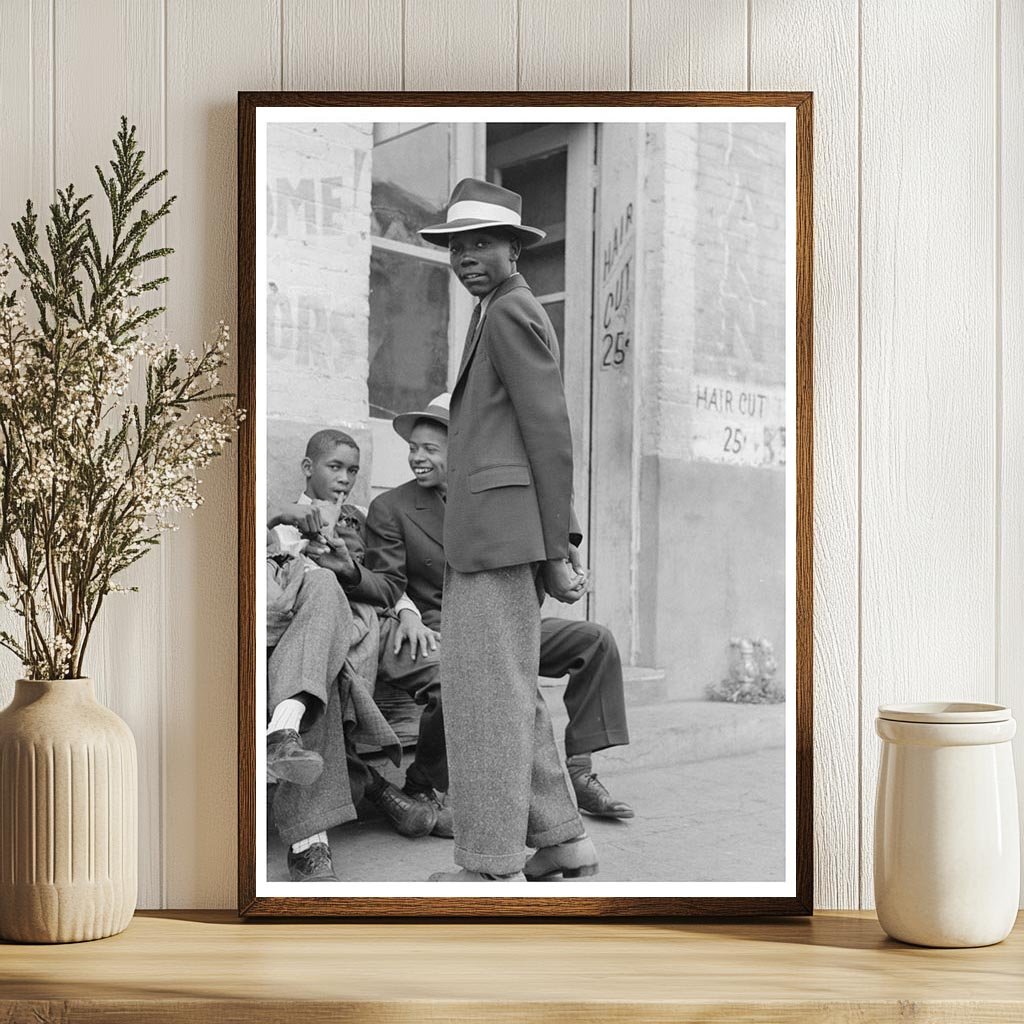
(90, 471)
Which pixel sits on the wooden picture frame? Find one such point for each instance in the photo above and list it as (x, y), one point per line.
(692, 413)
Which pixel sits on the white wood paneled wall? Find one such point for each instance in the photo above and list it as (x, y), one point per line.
(919, 317)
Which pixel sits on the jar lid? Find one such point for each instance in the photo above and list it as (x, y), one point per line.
(945, 712)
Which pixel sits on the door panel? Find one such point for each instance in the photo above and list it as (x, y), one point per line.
(614, 465)
(551, 166)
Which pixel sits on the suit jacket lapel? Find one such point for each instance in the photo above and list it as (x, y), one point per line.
(515, 281)
(429, 515)
(470, 345)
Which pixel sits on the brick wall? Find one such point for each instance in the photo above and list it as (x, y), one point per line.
(318, 254)
(740, 252)
(714, 257)
(668, 247)
(711, 311)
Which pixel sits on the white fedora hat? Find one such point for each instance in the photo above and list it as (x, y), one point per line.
(476, 205)
(436, 412)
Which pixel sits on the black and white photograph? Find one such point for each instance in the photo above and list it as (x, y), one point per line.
(525, 502)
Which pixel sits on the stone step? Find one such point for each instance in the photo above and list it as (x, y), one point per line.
(662, 732)
(683, 731)
(641, 685)
(674, 733)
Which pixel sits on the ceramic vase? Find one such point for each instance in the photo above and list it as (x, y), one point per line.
(947, 847)
(68, 815)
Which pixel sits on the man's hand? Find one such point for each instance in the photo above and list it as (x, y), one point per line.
(421, 638)
(576, 561)
(305, 518)
(332, 553)
(562, 581)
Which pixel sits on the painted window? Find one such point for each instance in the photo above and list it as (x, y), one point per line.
(416, 315)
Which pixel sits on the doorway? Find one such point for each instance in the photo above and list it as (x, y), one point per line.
(552, 167)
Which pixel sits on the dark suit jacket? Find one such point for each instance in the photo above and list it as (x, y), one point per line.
(404, 534)
(509, 443)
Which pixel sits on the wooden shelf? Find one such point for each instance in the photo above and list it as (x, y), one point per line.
(208, 966)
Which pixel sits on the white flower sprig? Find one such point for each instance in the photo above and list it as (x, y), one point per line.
(88, 477)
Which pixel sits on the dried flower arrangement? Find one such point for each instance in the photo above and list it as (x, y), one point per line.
(89, 477)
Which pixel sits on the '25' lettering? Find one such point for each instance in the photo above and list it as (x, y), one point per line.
(733, 440)
(615, 346)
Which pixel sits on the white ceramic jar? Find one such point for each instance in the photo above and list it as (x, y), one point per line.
(947, 847)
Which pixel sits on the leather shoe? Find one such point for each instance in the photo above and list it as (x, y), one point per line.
(575, 858)
(593, 798)
(288, 759)
(474, 876)
(444, 824)
(313, 864)
(409, 816)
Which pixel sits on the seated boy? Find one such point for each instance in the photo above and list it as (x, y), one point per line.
(320, 673)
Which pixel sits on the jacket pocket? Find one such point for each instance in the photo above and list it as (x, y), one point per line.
(499, 476)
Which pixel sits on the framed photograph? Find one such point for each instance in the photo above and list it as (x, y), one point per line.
(525, 498)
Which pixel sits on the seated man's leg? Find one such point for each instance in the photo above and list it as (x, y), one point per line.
(595, 700)
(300, 669)
(420, 678)
(307, 812)
(287, 756)
(303, 814)
(302, 676)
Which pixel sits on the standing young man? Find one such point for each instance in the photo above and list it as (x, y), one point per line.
(509, 537)
(404, 556)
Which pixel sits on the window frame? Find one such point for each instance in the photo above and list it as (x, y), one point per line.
(467, 158)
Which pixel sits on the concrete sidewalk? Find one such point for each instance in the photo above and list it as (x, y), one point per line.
(707, 781)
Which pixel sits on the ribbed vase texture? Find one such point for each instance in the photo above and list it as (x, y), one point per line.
(68, 815)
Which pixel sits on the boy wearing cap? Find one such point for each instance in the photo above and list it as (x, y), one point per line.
(509, 536)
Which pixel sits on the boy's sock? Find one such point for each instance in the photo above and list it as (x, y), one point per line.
(287, 715)
(305, 844)
(579, 764)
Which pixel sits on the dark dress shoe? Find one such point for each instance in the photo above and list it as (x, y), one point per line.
(288, 759)
(593, 798)
(575, 858)
(409, 816)
(444, 825)
(312, 865)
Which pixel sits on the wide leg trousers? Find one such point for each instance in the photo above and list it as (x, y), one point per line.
(508, 790)
(308, 660)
